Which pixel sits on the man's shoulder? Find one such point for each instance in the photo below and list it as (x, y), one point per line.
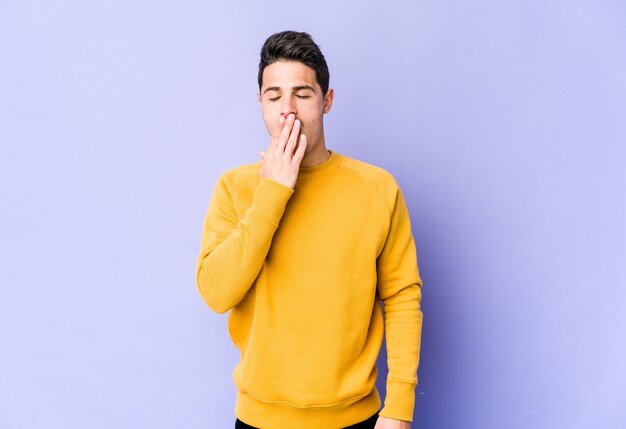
(238, 177)
(370, 173)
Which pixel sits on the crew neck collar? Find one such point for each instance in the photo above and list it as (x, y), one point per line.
(320, 168)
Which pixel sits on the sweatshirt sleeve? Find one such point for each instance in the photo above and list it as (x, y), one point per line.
(232, 250)
(399, 287)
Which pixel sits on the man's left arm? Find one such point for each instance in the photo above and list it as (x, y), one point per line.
(399, 287)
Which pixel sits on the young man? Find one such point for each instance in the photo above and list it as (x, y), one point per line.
(301, 247)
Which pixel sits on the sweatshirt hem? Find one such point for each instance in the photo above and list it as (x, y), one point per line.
(280, 415)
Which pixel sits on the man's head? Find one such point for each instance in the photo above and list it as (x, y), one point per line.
(293, 79)
(294, 46)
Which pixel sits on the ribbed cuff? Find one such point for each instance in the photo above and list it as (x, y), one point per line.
(399, 401)
(269, 201)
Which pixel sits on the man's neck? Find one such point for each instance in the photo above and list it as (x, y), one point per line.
(317, 157)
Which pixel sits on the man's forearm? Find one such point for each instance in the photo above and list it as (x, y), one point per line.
(233, 251)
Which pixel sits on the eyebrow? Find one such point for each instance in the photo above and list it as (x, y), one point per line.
(295, 88)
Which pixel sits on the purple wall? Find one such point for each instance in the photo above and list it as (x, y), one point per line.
(504, 123)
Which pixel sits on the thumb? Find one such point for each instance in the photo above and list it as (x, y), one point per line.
(262, 155)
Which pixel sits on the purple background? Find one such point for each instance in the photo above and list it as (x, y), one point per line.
(503, 121)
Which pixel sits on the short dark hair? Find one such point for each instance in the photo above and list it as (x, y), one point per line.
(294, 46)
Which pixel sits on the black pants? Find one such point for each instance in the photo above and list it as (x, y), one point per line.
(365, 424)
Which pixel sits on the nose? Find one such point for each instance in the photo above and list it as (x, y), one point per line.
(288, 107)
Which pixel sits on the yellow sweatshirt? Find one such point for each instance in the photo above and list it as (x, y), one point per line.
(303, 272)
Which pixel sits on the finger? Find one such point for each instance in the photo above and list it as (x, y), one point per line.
(293, 138)
(284, 134)
(297, 157)
(262, 154)
(276, 134)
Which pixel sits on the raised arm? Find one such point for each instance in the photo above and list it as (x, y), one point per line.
(232, 250)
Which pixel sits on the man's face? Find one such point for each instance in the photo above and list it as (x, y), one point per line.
(291, 87)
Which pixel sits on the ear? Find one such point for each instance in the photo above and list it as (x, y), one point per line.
(328, 100)
(258, 96)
